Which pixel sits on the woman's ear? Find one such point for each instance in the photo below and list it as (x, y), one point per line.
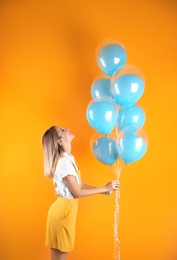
(59, 141)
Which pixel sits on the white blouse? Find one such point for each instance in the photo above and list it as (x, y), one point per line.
(66, 166)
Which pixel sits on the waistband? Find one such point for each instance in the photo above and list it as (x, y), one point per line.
(73, 200)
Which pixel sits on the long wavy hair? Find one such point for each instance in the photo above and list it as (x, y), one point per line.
(51, 150)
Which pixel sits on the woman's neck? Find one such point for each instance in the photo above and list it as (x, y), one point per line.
(67, 148)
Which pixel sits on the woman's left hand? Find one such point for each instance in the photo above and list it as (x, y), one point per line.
(113, 185)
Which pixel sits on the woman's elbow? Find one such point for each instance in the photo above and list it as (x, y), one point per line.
(77, 194)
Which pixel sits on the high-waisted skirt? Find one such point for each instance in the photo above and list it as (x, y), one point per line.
(61, 223)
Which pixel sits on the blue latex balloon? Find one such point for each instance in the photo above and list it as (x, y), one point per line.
(127, 89)
(110, 57)
(104, 150)
(131, 148)
(131, 116)
(101, 115)
(101, 88)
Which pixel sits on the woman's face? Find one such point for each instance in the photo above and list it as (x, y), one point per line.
(64, 134)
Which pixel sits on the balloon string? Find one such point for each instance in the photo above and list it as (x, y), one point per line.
(116, 225)
(114, 167)
(116, 218)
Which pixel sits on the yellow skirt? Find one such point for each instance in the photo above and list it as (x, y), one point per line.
(61, 222)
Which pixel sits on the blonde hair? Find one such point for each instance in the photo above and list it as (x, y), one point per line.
(51, 150)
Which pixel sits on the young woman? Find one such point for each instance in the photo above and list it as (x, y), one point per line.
(60, 165)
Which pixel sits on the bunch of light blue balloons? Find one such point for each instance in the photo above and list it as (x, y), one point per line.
(113, 106)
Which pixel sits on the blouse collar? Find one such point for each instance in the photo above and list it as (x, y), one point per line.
(69, 156)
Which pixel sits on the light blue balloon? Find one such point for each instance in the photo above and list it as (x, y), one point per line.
(111, 57)
(101, 115)
(131, 148)
(104, 150)
(101, 88)
(131, 116)
(127, 89)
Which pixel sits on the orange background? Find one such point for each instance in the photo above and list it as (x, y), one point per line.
(47, 59)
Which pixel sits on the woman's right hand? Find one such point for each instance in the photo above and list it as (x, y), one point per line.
(112, 185)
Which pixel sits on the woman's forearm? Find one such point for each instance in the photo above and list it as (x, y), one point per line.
(86, 186)
(81, 191)
(89, 190)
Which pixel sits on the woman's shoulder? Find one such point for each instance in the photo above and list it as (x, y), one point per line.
(64, 166)
(64, 160)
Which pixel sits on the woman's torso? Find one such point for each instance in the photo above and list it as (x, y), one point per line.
(66, 165)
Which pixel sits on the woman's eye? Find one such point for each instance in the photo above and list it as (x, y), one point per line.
(62, 130)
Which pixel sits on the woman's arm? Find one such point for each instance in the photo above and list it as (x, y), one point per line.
(79, 192)
(85, 186)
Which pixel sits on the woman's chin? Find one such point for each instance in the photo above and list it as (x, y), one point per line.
(72, 137)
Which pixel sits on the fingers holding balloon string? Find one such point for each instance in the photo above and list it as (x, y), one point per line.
(115, 184)
(112, 185)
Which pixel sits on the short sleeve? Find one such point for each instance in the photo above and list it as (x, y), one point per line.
(64, 168)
